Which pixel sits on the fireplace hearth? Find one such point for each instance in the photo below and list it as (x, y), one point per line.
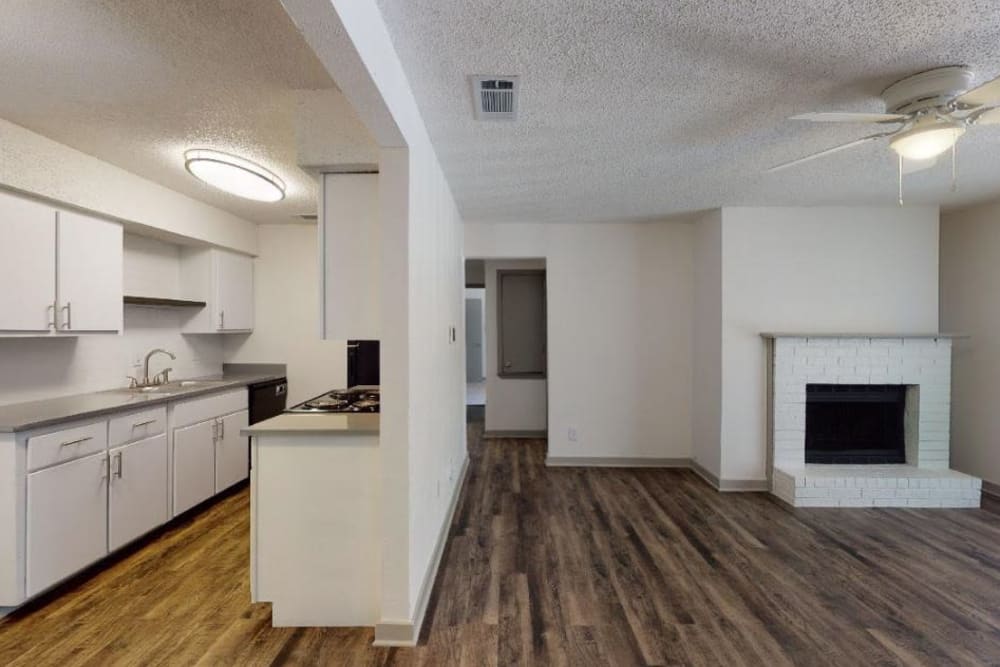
(855, 424)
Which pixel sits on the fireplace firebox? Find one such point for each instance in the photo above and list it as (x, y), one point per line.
(855, 423)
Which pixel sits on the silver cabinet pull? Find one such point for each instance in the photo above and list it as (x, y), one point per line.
(51, 308)
(145, 423)
(68, 309)
(215, 430)
(76, 442)
(222, 319)
(118, 465)
(222, 425)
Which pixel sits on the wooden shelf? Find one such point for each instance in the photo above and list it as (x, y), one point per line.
(162, 303)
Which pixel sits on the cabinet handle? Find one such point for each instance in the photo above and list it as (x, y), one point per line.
(222, 426)
(118, 465)
(52, 315)
(68, 323)
(215, 430)
(222, 319)
(145, 423)
(76, 442)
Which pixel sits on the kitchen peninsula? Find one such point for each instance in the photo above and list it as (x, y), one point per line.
(314, 543)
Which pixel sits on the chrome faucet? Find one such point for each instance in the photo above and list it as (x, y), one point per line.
(145, 369)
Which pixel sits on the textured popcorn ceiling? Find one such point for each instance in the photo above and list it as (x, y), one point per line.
(638, 109)
(136, 82)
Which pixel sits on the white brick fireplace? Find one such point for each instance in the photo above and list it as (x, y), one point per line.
(920, 363)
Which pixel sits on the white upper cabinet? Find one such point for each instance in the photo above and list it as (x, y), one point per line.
(224, 280)
(350, 256)
(27, 265)
(90, 281)
(61, 272)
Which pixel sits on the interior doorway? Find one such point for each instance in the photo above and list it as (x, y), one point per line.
(475, 338)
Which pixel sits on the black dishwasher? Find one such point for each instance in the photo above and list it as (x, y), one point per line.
(265, 400)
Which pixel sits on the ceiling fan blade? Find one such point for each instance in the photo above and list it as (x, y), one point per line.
(828, 151)
(849, 117)
(989, 117)
(986, 93)
(913, 166)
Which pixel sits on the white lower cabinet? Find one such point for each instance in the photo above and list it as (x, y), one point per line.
(67, 525)
(138, 490)
(194, 464)
(232, 451)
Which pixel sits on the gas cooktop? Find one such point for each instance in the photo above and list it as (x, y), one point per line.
(356, 399)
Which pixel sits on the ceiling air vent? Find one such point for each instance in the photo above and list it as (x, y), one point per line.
(495, 97)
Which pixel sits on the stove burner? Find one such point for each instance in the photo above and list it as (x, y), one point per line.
(341, 400)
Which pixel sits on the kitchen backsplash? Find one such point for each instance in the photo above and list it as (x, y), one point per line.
(35, 368)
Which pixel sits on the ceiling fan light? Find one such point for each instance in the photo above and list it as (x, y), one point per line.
(922, 143)
(234, 175)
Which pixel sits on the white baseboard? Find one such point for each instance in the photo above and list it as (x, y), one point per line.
(729, 485)
(991, 489)
(615, 462)
(407, 632)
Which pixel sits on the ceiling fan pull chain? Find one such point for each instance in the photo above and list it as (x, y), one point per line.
(900, 180)
(954, 167)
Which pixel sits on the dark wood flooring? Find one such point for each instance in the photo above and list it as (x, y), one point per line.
(571, 567)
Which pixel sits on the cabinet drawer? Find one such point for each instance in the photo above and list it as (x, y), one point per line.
(137, 426)
(67, 444)
(209, 407)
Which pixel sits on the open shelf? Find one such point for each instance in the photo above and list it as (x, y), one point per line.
(162, 303)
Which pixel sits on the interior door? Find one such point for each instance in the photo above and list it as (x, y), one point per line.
(194, 465)
(89, 273)
(27, 263)
(232, 451)
(67, 526)
(138, 490)
(474, 340)
(234, 284)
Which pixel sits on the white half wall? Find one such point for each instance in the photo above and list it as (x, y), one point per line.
(286, 307)
(813, 269)
(619, 326)
(44, 168)
(512, 404)
(970, 272)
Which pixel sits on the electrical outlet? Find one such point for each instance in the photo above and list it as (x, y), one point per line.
(571, 434)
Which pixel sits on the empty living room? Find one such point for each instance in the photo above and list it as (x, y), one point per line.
(541, 332)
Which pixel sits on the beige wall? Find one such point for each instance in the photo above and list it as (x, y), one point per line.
(970, 275)
(706, 350)
(806, 269)
(286, 314)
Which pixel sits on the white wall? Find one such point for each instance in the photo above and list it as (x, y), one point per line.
(286, 317)
(422, 435)
(619, 313)
(512, 404)
(970, 273)
(44, 168)
(820, 269)
(706, 351)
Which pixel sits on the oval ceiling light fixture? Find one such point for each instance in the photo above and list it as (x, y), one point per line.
(234, 175)
(926, 140)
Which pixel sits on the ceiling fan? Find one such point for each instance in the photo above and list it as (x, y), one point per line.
(929, 112)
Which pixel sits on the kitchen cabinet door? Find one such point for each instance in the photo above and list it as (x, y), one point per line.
(232, 451)
(234, 291)
(89, 273)
(138, 490)
(67, 520)
(194, 465)
(27, 265)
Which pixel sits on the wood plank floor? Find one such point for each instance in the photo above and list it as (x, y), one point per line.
(571, 567)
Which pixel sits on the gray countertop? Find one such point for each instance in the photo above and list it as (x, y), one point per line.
(291, 423)
(46, 412)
